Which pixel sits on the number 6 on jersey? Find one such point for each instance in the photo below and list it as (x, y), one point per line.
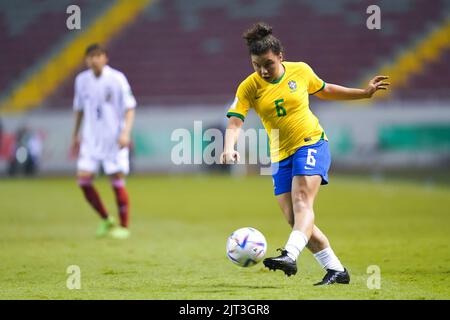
(281, 111)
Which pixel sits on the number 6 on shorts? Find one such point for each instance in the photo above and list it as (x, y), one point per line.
(310, 160)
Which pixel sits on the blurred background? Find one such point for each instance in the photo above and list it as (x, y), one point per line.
(185, 59)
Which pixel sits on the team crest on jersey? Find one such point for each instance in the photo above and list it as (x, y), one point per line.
(292, 85)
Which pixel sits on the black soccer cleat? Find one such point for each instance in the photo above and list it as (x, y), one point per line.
(282, 262)
(334, 276)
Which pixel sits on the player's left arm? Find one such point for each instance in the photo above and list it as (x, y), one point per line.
(129, 104)
(125, 135)
(336, 92)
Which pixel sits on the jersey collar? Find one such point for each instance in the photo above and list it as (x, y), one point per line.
(282, 76)
(106, 70)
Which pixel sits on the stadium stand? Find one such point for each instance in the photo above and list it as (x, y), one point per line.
(25, 37)
(433, 83)
(185, 52)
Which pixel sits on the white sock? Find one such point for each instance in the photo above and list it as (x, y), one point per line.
(328, 260)
(296, 242)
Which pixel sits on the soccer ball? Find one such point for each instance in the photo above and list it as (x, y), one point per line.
(246, 247)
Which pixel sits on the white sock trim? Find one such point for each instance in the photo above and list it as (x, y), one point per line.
(328, 259)
(296, 243)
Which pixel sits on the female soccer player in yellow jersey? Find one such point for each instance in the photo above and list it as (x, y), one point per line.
(279, 93)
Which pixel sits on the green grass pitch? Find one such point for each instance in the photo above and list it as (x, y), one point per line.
(179, 229)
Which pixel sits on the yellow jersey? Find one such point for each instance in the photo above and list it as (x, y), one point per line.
(282, 105)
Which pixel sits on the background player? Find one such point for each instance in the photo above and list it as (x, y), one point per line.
(278, 91)
(105, 104)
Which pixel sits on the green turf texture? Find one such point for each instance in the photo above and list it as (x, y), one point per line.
(179, 229)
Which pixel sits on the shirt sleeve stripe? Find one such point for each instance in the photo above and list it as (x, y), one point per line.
(234, 114)
(321, 88)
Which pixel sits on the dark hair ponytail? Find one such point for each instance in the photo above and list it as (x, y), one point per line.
(260, 39)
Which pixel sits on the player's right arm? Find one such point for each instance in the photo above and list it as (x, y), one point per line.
(236, 114)
(230, 155)
(75, 147)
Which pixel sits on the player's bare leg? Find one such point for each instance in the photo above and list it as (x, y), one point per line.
(318, 241)
(85, 181)
(122, 201)
(318, 244)
(304, 191)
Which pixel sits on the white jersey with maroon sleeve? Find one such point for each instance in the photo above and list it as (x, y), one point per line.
(103, 101)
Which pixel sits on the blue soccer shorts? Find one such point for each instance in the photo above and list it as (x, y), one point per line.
(309, 160)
